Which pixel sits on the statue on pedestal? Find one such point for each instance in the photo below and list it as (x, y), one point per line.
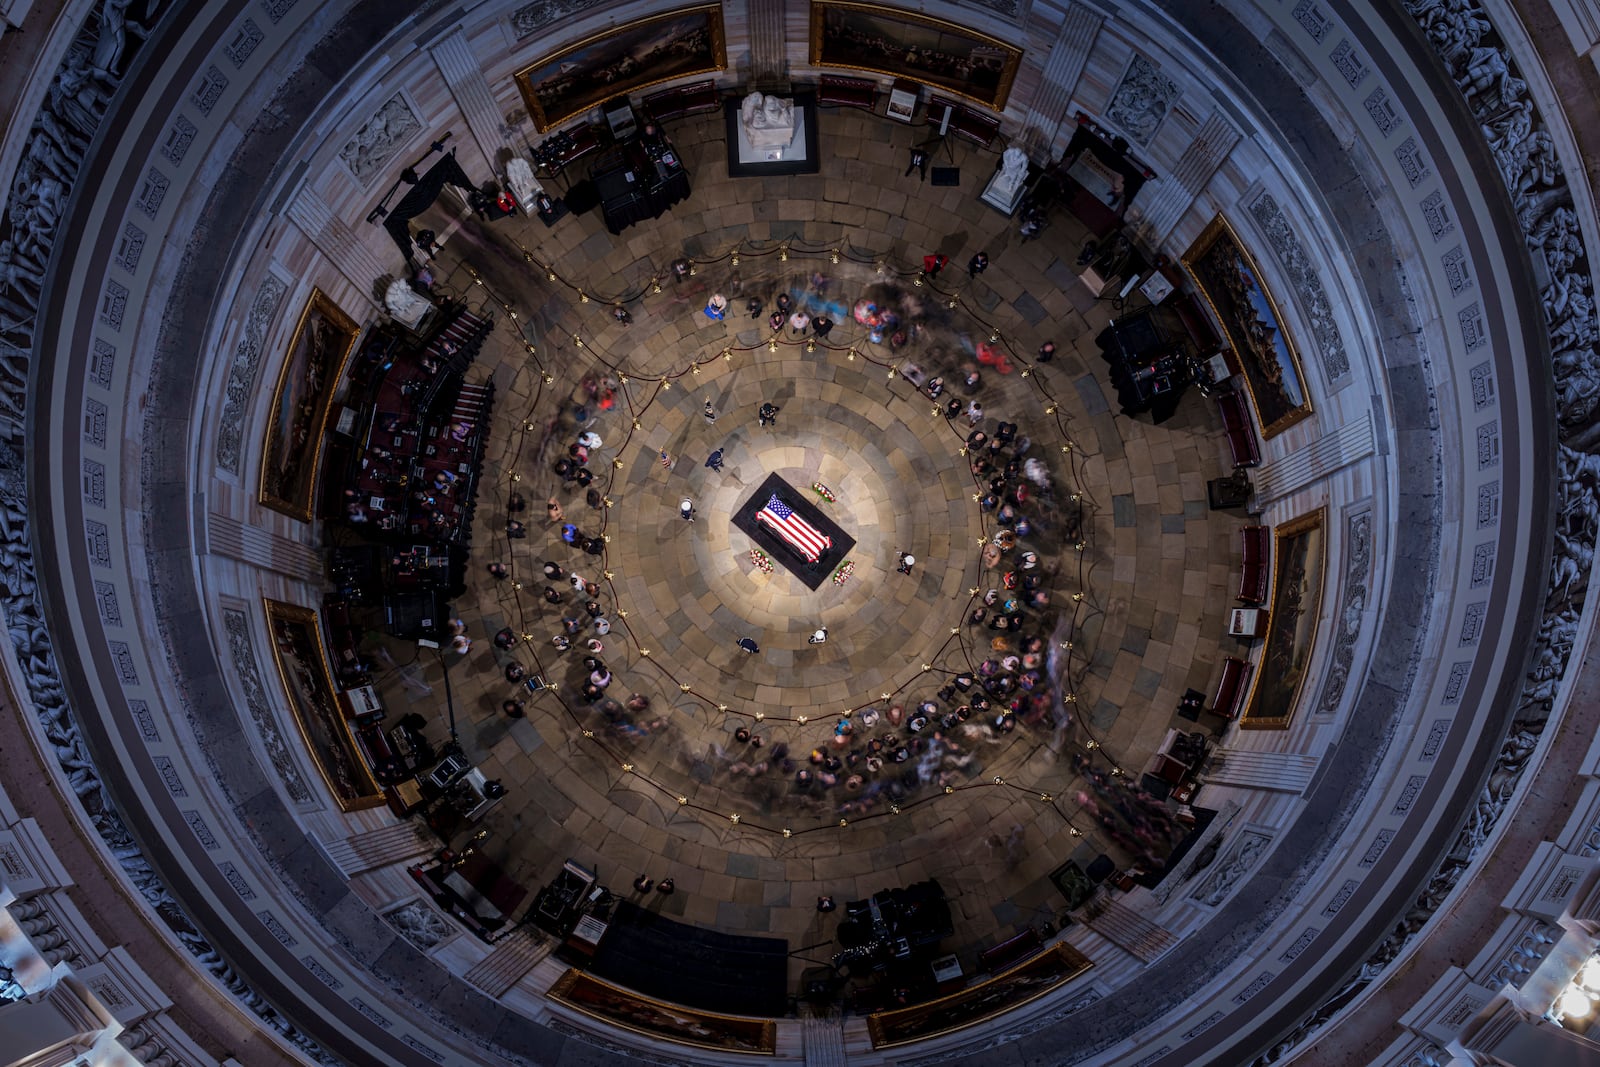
(767, 121)
(1013, 171)
(1004, 190)
(405, 303)
(524, 186)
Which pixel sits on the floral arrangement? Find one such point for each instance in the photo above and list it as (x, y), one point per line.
(759, 558)
(824, 492)
(846, 569)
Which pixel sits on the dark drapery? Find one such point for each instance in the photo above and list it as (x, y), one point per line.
(445, 172)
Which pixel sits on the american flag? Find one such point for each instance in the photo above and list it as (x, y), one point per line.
(810, 542)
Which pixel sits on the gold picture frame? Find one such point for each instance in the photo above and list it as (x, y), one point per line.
(291, 449)
(1299, 575)
(897, 43)
(1009, 989)
(621, 60)
(1228, 277)
(300, 654)
(661, 1021)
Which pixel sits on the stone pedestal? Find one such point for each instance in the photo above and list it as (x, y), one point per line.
(1003, 193)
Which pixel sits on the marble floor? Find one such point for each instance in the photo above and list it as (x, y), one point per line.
(660, 797)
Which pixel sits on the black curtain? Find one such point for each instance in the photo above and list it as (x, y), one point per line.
(421, 196)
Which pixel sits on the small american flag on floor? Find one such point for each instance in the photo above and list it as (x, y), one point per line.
(810, 542)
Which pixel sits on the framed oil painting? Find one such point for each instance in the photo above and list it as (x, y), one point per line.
(297, 648)
(902, 44)
(1231, 283)
(623, 60)
(667, 1022)
(318, 352)
(1299, 563)
(1008, 989)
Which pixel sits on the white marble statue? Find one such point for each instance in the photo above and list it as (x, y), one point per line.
(405, 303)
(1013, 170)
(767, 121)
(524, 186)
(1004, 190)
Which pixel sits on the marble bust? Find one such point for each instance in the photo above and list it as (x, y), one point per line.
(767, 121)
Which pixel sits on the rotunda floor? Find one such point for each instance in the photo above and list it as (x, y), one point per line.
(656, 790)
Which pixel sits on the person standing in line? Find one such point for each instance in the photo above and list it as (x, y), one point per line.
(710, 412)
(977, 264)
